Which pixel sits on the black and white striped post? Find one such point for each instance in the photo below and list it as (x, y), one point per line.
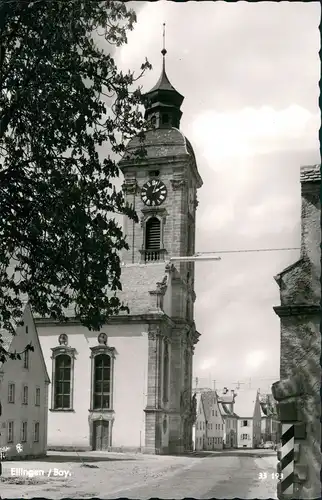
(286, 466)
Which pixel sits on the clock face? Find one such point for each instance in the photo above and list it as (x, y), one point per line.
(153, 193)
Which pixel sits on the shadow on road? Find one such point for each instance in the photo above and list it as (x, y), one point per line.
(229, 453)
(75, 458)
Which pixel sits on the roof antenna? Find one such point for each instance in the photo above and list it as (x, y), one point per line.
(163, 51)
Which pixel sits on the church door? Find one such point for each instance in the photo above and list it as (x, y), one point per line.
(100, 435)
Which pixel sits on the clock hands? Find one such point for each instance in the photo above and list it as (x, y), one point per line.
(153, 193)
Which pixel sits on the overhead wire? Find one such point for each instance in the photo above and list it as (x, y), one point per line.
(249, 250)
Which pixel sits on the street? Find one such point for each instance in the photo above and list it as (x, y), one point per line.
(212, 477)
(113, 475)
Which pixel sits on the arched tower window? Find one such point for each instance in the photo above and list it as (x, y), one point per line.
(63, 371)
(153, 121)
(102, 382)
(153, 234)
(165, 119)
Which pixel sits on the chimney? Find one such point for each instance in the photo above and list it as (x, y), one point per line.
(310, 177)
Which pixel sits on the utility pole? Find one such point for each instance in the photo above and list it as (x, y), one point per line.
(238, 384)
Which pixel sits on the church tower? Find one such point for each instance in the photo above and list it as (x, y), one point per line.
(162, 187)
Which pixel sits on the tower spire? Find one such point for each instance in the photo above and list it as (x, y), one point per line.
(164, 50)
(163, 101)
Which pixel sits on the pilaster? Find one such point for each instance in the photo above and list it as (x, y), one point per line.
(153, 410)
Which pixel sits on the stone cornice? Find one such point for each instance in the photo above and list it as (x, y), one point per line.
(153, 318)
(146, 162)
(297, 310)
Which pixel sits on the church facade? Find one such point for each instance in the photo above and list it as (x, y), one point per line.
(129, 386)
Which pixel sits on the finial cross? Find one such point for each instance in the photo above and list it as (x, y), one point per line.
(163, 51)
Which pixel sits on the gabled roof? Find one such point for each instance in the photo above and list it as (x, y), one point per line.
(245, 403)
(8, 338)
(310, 173)
(294, 265)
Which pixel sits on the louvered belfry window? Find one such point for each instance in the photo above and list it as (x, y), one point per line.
(153, 234)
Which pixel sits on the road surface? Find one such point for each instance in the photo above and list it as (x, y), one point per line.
(238, 473)
(246, 477)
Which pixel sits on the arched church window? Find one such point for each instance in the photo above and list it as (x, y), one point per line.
(63, 372)
(153, 234)
(102, 382)
(166, 373)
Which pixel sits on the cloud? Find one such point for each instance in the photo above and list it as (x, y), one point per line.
(255, 359)
(208, 364)
(250, 131)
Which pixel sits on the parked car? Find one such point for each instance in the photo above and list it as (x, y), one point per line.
(269, 445)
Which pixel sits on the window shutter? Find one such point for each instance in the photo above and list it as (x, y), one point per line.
(153, 234)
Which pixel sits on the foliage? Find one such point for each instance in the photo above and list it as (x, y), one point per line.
(58, 231)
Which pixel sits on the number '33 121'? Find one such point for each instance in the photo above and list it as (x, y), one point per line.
(272, 475)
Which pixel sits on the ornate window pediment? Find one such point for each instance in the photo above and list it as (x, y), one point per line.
(61, 349)
(103, 349)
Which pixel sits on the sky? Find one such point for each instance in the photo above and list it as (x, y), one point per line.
(249, 73)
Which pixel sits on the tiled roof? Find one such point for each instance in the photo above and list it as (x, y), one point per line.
(159, 143)
(207, 401)
(245, 403)
(310, 173)
(137, 280)
(7, 336)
